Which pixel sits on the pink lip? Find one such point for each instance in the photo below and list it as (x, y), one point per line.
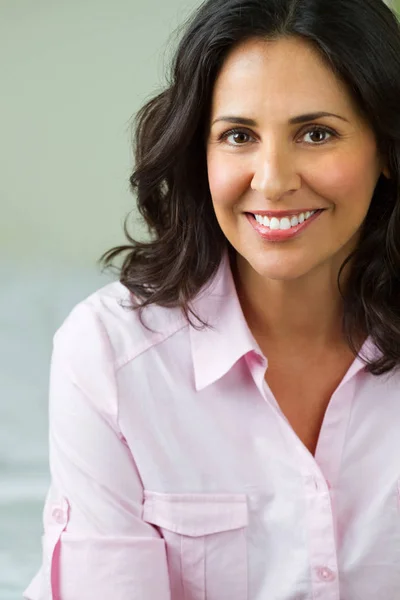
(278, 235)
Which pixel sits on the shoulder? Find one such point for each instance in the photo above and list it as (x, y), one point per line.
(105, 323)
(99, 336)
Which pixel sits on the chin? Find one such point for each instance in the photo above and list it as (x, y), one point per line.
(282, 269)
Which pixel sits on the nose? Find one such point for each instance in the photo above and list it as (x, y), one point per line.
(275, 173)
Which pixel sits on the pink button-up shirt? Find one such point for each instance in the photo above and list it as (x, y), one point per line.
(175, 475)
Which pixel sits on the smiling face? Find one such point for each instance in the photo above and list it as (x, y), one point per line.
(274, 164)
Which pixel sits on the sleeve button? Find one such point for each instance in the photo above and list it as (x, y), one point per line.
(58, 515)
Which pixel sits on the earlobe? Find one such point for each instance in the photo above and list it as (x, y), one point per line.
(386, 173)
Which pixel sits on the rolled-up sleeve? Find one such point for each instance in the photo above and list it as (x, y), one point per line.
(95, 544)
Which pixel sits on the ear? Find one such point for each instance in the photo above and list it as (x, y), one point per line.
(386, 173)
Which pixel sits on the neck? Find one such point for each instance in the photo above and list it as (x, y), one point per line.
(302, 315)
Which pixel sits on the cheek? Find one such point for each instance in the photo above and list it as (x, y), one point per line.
(227, 183)
(345, 178)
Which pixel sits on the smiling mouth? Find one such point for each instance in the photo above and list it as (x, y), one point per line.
(283, 221)
(281, 214)
(276, 230)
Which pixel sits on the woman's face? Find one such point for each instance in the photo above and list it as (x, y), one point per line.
(325, 163)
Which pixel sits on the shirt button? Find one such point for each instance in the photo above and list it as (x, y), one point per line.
(58, 515)
(325, 574)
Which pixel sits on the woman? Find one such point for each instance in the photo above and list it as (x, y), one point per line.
(254, 457)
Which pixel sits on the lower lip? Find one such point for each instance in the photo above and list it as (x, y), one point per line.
(279, 235)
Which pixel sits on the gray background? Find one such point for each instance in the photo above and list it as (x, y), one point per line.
(73, 74)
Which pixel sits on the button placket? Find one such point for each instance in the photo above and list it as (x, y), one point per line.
(321, 535)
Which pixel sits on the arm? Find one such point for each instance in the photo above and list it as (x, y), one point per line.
(95, 543)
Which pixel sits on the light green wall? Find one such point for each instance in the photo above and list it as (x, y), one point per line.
(73, 74)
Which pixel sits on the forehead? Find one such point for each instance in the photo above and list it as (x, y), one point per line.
(281, 76)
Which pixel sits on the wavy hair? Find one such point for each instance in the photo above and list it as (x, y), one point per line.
(360, 42)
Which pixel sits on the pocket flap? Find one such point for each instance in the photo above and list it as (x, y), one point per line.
(195, 514)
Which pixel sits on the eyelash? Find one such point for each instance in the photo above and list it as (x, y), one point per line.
(313, 128)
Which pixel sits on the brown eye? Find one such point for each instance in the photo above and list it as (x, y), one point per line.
(237, 135)
(316, 133)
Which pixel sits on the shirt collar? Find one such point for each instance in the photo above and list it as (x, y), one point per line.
(215, 351)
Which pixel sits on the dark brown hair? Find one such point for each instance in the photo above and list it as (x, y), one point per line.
(360, 40)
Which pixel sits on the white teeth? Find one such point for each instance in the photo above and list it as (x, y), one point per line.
(284, 222)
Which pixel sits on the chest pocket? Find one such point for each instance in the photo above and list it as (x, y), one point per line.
(205, 537)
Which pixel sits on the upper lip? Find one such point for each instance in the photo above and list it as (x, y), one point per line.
(282, 213)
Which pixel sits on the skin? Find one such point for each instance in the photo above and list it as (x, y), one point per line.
(288, 290)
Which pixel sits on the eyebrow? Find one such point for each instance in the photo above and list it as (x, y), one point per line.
(292, 121)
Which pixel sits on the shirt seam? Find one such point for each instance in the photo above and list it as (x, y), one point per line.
(111, 352)
(148, 344)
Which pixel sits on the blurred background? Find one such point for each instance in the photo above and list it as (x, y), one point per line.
(73, 76)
